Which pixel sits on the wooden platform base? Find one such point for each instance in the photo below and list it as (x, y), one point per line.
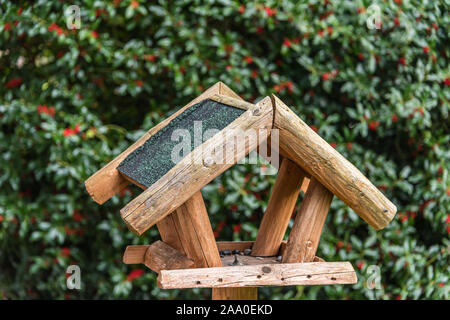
(256, 275)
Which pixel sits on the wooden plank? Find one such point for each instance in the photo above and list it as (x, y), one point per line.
(305, 233)
(107, 181)
(160, 256)
(330, 168)
(279, 209)
(197, 169)
(311, 273)
(196, 232)
(246, 293)
(134, 254)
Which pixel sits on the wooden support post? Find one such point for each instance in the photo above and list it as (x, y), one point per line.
(279, 209)
(246, 293)
(166, 227)
(160, 256)
(330, 168)
(196, 234)
(305, 234)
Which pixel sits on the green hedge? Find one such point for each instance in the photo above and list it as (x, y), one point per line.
(71, 100)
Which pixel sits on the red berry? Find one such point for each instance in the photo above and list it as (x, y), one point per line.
(270, 12)
(65, 252)
(426, 49)
(326, 76)
(248, 59)
(287, 42)
(396, 21)
(135, 274)
(373, 125)
(241, 9)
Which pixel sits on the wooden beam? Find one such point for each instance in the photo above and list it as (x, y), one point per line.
(312, 273)
(225, 90)
(197, 169)
(160, 256)
(330, 168)
(196, 233)
(305, 185)
(279, 209)
(237, 103)
(305, 233)
(107, 181)
(166, 227)
(134, 254)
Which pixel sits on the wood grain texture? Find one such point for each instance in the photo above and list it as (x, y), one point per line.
(246, 293)
(160, 256)
(330, 168)
(166, 227)
(196, 233)
(134, 254)
(192, 173)
(107, 181)
(232, 245)
(311, 273)
(305, 233)
(237, 103)
(225, 90)
(305, 185)
(279, 209)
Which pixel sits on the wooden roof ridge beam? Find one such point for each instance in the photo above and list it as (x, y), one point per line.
(196, 170)
(107, 181)
(330, 168)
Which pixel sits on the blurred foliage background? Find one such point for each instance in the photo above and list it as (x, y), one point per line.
(71, 100)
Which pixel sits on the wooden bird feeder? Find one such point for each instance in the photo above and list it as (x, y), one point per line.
(188, 255)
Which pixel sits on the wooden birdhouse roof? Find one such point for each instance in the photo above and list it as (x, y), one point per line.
(147, 162)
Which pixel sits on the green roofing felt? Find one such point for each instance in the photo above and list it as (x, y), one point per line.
(152, 160)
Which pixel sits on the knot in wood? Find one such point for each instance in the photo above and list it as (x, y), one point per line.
(266, 269)
(256, 111)
(309, 244)
(208, 161)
